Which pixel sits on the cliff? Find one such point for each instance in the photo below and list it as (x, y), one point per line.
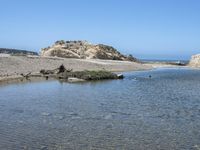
(84, 50)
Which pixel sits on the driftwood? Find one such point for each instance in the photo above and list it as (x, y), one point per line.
(61, 69)
(64, 74)
(46, 72)
(58, 70)
(26, 76)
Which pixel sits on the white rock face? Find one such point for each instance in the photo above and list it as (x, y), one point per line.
(195, 61)
(84, 50)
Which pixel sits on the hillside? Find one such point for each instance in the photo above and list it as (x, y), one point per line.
(84, 50)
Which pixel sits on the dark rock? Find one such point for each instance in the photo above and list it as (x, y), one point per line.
(120, 76)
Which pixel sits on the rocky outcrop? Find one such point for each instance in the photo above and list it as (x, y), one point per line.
(64, 74)
(84, 50)
(195, 61)
(16, 52)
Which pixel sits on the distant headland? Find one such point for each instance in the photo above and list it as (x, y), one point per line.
(16, 51)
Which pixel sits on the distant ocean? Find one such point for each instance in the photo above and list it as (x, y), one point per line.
(164, 61)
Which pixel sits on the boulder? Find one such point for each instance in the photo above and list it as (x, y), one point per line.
(120, 76)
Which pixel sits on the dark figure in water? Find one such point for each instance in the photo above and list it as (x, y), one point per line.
(150, 76)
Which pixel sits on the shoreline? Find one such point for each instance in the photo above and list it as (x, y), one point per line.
(11, 67)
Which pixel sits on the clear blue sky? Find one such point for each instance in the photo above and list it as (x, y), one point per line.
(162, 29)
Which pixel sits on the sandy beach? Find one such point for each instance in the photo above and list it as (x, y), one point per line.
(12, 66)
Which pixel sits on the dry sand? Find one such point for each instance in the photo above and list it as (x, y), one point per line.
(12, 66)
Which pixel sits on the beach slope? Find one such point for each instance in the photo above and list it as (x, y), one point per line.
(11, 67)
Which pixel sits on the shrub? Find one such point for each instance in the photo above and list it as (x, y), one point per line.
(60, 42)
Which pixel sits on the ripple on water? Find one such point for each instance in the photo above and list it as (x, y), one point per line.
(161, 112)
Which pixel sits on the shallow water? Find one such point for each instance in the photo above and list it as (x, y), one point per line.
(135, 113)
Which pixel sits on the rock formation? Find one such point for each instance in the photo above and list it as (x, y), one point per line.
(84, 50)
(64, 74)
(195, 61)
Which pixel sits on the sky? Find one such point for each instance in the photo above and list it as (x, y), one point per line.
(147, 29)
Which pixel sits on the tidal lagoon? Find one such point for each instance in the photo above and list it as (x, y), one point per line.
(157, 109)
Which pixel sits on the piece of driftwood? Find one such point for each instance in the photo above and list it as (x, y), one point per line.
(61, 69)
(46, 72)
(58, 70)
(26, 75)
